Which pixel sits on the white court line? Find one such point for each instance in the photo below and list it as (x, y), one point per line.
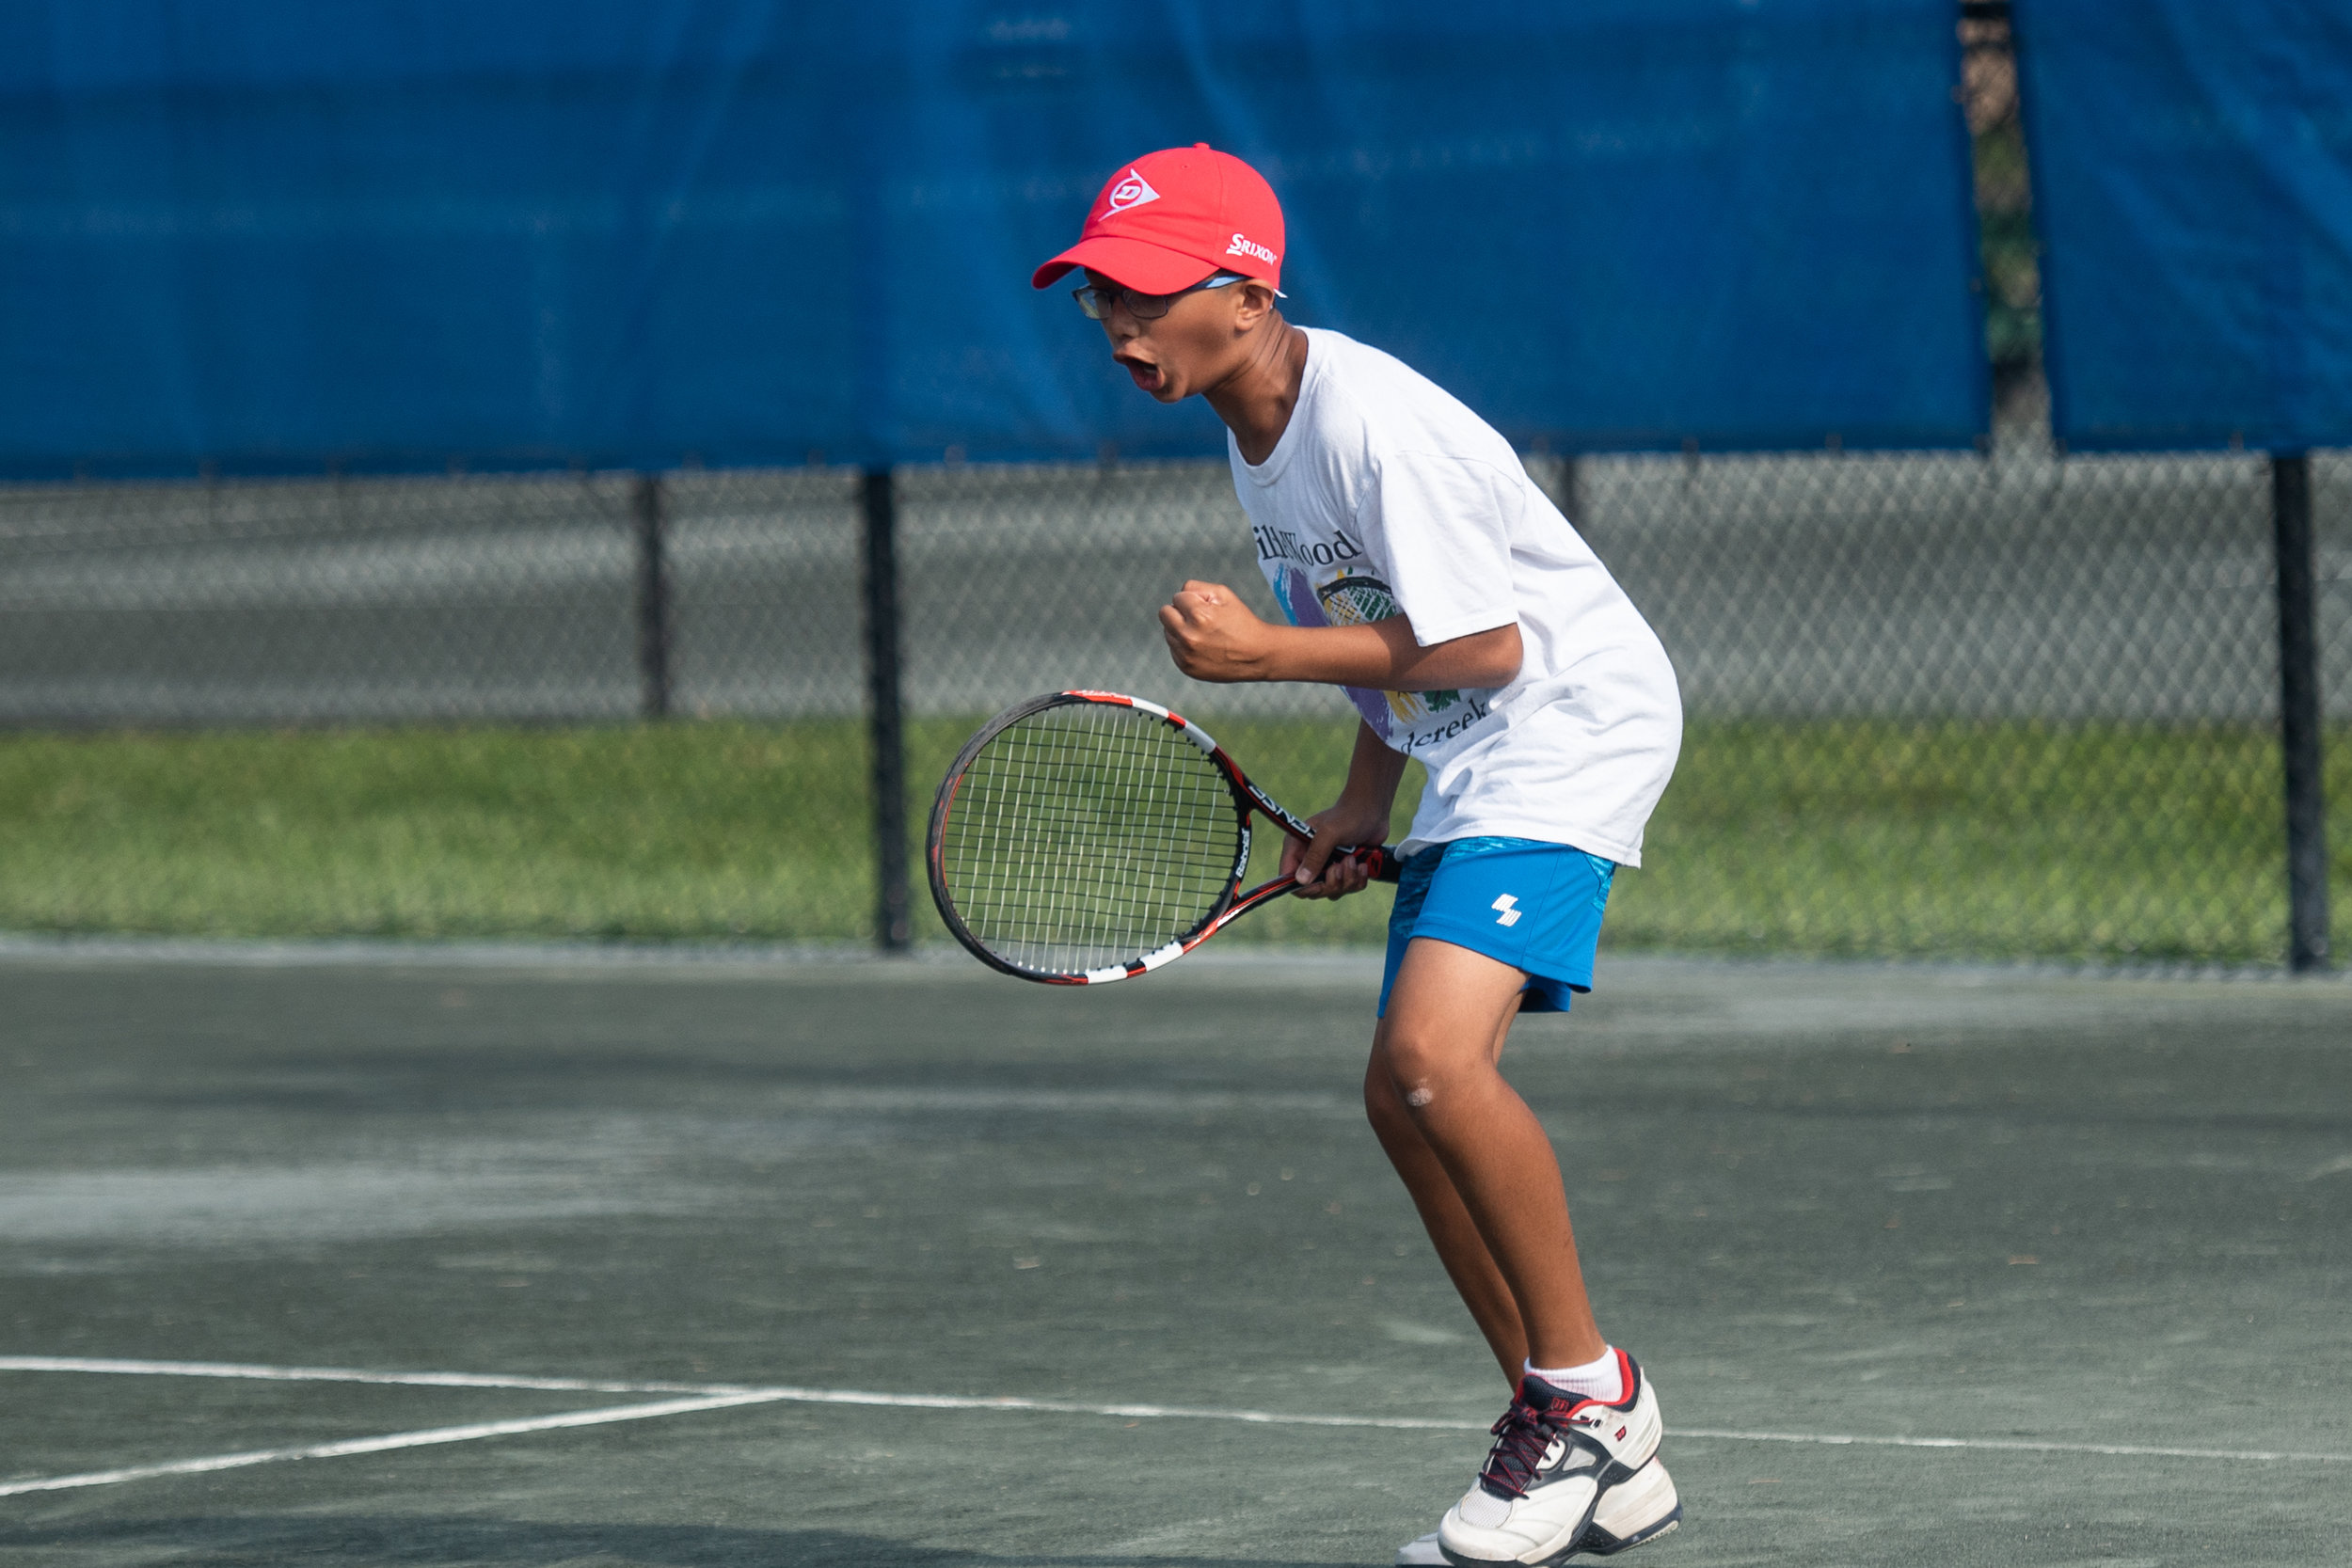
(380, 1444)
(351, 1375)
(2017, 1445)
(720, 1396)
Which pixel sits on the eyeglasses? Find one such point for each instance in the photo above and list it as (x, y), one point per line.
(1097, 302)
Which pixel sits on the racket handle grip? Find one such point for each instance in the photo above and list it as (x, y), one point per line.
(1384, 862)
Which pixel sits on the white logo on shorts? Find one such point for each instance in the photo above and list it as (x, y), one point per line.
(1133, 191)
(1509, 916)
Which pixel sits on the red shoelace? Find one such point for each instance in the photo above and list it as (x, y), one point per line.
(1522, 1438)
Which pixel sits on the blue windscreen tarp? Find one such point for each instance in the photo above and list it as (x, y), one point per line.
(2192, 169)
(390, 235)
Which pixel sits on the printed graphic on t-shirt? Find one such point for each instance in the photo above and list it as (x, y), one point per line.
(1357, 598)
(1295, 592)
(1354, 597)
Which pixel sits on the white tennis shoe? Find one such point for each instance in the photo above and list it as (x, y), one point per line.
(1420, 1552)
(1628, 1514)
(1633, 1511)
(1556, 1455)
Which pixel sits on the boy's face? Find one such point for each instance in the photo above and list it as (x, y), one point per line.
(1203, 339)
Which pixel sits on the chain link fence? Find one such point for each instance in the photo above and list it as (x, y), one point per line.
(2000, 705)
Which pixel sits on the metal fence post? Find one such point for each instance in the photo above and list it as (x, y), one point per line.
(2299, 712)
(893, 931)
(653, 597)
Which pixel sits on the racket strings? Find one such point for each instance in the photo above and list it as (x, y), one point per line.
(1086, 835)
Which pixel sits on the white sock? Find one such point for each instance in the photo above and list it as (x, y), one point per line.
(1598, 1379)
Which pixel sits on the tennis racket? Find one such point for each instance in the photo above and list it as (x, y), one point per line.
(1083, 837)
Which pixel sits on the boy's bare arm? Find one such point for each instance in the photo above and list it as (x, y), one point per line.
(1359, 818)
(1212, 636)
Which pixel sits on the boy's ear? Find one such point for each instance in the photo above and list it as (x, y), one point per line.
(1254, 304)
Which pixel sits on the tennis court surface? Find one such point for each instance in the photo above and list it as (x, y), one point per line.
(1930, 1265)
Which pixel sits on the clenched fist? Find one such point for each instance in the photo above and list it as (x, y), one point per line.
(1212, 636)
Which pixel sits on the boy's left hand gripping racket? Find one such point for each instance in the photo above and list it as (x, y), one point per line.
(1085, 836)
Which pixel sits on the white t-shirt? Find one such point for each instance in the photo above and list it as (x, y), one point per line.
(1385, 495)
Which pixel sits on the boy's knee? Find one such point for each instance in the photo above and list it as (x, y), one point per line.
(1420, 1066)
(1387, 1102)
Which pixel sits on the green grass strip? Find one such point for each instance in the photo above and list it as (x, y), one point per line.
(2096, 841)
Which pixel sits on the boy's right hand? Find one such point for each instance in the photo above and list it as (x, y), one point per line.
(1311, 865)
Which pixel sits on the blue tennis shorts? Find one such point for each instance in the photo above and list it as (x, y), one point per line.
(1533, 906)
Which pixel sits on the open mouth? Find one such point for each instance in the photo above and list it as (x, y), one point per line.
(1148, 377)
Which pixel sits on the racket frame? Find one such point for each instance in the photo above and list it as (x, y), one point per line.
(1382, 862)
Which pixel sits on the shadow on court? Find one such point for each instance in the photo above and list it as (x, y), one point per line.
(2050, 1223)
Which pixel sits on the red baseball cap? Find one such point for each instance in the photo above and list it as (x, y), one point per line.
(1174, 217)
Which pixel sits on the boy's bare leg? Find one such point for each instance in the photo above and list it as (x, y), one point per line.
(1460, 1248)
(1478, 1164)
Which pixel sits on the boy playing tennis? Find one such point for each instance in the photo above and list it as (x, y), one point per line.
(1421, 569)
